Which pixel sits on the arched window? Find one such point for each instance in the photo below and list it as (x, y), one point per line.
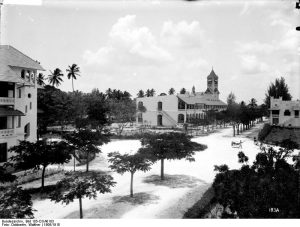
(180, 118)
(287, 113)
(23, 74)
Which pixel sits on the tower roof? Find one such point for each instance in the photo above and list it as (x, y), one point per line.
(212, 74)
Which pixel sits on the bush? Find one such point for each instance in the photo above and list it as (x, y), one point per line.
(264, 132)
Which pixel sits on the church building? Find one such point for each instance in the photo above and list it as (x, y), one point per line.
(171, 110)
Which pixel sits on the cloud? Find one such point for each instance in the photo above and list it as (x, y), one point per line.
(182, 34)
(255, 47)
(251, 65)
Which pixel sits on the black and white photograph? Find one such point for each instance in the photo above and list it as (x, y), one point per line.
(149, 109)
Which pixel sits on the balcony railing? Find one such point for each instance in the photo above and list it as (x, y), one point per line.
(6, 133)
(7, 101)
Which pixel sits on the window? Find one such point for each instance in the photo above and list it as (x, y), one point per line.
(30, 105)
(23, 74)
(287, 113)
(3, 152)
(275, 112)
(29, 95)
(180, 118)
(19, 122)
(296, 113)
(181, 105)
(19, 93)
(26, 109)
(140, 117)
(159, 106)
(27, 130)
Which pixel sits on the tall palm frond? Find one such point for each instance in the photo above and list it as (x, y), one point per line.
(55, 78)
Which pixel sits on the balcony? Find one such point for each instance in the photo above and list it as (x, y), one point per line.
(6, 133)
(7, 101)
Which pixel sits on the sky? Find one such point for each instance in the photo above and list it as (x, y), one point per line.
(133, 45)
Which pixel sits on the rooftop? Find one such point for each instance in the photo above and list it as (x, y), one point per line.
(11, 57)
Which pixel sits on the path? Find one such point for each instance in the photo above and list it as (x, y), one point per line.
(185, 184)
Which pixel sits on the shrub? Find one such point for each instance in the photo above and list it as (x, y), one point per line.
(264, 132)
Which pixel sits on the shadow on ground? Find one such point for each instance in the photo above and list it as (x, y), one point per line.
(117, 207)
(174, 181)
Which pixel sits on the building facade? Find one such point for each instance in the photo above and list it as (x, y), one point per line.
(18, 99)
(284, 113)
(171, 110)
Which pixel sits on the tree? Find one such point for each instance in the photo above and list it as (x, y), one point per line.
(182, 91)
(39, 155)
(231, 99)
(169, 146)
(270, 182)
(79, 186)
(276, 90)
(55, 78)
(40, 79)
(171, 91)
(73, 71)
(148, 93)
(152, 92)
(123, 112)
(140, 94)
(15, 203)
(86, 142)
(128, 163)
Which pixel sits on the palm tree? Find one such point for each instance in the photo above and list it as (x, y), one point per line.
(73, 71)
(171, 91)
(55, 77)
(152, 92)
(40, 79)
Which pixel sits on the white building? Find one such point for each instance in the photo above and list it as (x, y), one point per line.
(170, 110)
(18, 99)
(284, 113)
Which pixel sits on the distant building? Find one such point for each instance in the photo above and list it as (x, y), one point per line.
(284, 113)
(170, 110)
(18, 98)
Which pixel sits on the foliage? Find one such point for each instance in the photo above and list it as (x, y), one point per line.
(55, 78)
(128, 163)
(171, 91)
(264, 132)
(169, 146)
(182, 91)
(86, 141)
(254, 191)
(231, 99)
(5, 176)
(39, 154)
(276, 90)
(123, 112)
(80, 185)
(40, 79)
(140, 94)
(15, 203)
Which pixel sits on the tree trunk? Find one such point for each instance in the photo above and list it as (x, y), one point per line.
(162, 176)
(238, 129)
(131, 185)
(233, 130)
(74, 160)
(43, 176)
(87, 161)
(72, 85)
(80, 208)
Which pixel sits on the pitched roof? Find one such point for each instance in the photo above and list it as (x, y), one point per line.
(11, 57)
(212, 74)
(201, 100)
